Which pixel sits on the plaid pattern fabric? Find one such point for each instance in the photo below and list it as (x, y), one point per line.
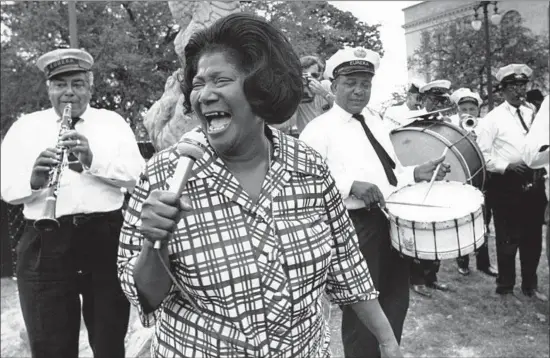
(257, 271)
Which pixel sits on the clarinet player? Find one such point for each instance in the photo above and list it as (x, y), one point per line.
(77, 256)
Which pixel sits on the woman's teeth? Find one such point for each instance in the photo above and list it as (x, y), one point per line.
(218, 125)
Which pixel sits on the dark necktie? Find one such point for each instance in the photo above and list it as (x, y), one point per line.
(521, 119)
(74, 163)
(385, 159)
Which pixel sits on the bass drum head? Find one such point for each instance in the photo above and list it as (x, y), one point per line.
(414, 147)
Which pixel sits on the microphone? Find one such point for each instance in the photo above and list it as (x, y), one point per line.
(190, 149)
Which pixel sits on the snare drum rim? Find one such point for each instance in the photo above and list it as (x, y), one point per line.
(444, 224)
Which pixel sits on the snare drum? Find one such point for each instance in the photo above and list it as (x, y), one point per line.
(432, 233)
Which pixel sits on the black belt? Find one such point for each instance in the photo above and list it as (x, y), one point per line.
(81, 219)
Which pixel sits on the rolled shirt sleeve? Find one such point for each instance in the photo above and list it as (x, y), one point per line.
(348, 280)
(118, 162)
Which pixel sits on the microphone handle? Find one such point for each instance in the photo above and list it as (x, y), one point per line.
(178, 181)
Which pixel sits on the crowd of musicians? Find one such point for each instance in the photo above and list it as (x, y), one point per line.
(285, 205)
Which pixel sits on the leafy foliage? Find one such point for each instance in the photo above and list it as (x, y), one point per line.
(316, 27)
(457, 52)
(132, 44)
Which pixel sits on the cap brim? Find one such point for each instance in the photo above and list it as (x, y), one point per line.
(67, 68)
(354, 69)
(468, 100)
(513, 79)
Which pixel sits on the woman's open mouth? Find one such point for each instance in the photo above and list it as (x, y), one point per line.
(217, 121)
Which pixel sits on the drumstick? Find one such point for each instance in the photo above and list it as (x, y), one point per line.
(434, 175)
(417, 204)
(383, 210)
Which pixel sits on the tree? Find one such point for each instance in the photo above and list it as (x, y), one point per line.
(316, 27)
(131, 42)
(398, 97)
(457, 52)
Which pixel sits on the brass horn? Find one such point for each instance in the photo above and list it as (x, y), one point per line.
(468, 123)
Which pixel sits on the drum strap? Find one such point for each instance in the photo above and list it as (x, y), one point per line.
(385, 159)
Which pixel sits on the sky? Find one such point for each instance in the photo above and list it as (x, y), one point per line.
(392, 72)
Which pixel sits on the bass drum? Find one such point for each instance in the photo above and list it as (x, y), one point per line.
(421, 141)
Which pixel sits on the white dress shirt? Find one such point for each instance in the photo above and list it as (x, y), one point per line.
(342, 142)
(537, 138)
(501, 136)
(116, 163)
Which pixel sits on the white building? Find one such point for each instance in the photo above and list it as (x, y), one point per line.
(429, 14)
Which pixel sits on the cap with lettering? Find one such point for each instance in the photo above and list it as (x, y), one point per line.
(351, 60)
(463, 95)
(64, 60)
(514, 73)
(437, 88)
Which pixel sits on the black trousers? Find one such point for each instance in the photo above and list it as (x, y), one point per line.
(424, 272)
(547, 221)
(390, 275)
(482, 258)
(518, 215)
(55, 268)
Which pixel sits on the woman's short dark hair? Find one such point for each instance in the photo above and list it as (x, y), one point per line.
(273, 83)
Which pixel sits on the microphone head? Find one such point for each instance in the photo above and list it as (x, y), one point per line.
(192, 144)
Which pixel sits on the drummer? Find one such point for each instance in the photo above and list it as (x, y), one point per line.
(356, 145)
(424, 272)
(398, 116)
(468, 104)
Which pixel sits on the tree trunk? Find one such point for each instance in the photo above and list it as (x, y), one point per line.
(165, 121)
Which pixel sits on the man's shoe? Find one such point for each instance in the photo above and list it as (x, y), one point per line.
(504, 291)
(491, 271)
(438, 286)
(531, 292)
(464, 271)
(422, 290)
(508, 296)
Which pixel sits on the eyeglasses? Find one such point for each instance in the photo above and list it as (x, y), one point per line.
(517, 85)
(315, 75)
(438, 99)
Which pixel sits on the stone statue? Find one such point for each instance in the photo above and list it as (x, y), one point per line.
(165, 121)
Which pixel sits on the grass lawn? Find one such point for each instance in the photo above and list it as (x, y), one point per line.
(472, 321)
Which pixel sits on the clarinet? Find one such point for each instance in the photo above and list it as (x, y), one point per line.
(47, 221)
